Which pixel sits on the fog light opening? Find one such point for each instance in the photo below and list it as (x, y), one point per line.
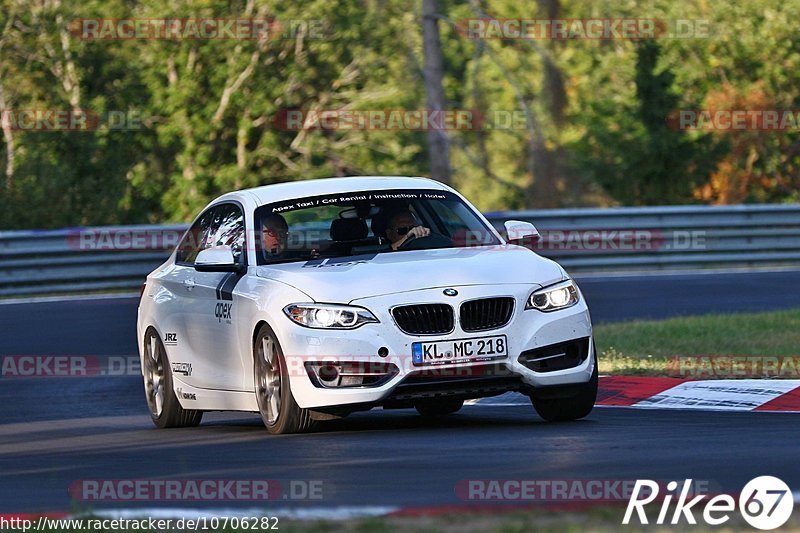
(328, 372)
(340, 374)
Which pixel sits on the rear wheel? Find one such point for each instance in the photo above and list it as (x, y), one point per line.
(575, 402)
(277, 406)
(438, 406)
(165, 409)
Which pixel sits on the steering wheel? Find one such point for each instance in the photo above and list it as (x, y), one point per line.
(409, 239)
(433, 240)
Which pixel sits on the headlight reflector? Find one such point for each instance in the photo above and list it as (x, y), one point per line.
(329, 316)
(559, 296)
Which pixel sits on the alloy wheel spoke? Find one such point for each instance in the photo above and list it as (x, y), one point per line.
(273, 407)
(153, 348)
(154, 377)
(266, 350)
(269, 379)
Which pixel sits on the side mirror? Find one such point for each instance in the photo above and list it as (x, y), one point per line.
(517, 231)
(217, 259)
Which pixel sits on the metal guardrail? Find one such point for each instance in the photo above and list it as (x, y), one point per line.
(582, 240)
(56, 261)
(674, 237)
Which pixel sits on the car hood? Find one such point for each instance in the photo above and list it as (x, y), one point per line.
(349, 278)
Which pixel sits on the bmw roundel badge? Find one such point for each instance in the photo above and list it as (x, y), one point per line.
(450, 292)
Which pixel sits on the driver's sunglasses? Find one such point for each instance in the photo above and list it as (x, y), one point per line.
(402, 230)
(275, 232)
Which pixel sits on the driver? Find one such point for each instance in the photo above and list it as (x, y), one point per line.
(274, 232)
(402, 227)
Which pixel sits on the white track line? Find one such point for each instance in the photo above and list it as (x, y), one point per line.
(68, 298)
(310, 513)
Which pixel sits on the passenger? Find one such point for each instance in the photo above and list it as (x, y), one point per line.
(274, 233)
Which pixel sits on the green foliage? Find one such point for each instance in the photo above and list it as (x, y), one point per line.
(646, 346)
(645, 160)
(593, 128)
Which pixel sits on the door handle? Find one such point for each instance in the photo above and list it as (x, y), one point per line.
(188, 283)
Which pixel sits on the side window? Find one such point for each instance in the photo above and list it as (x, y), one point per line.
(191, 243)
(227, 229)
(221, 225)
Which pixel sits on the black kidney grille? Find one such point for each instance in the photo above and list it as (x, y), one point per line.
(424, 319)
(486, 313)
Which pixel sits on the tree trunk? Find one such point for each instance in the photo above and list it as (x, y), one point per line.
(438, 142)
(554, 92)
(543, 191)
(8, 137)
(546, 170)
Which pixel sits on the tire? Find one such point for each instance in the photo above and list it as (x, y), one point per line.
(165, 409)
(576, 405)
(276, 404)
(438, 406)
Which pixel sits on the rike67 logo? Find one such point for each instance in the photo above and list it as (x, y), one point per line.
(765, 503)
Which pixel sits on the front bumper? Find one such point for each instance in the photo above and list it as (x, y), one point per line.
(527, 331)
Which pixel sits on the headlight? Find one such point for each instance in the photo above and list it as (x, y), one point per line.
(559, 296)
(329, 316)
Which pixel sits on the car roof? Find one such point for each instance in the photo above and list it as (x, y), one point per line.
(279, 192)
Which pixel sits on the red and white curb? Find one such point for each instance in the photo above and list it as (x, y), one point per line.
(770, 395)
(776, 395)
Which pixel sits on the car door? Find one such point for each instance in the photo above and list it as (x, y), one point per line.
(174, 305)
(209, 307)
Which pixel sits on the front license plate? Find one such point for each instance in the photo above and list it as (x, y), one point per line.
(459, 350)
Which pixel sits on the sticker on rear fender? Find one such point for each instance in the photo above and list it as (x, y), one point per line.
(454, 351)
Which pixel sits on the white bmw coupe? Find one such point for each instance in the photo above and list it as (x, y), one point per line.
(311, 300)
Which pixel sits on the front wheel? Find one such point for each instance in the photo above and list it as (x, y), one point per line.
(277, 406)
(165, 409)
(577, 401)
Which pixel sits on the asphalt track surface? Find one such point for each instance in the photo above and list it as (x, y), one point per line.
(55, 431)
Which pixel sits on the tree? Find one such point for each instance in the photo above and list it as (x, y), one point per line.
(438, 143)
(642, 160)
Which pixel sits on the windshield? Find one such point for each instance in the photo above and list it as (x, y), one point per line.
(366, 222)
